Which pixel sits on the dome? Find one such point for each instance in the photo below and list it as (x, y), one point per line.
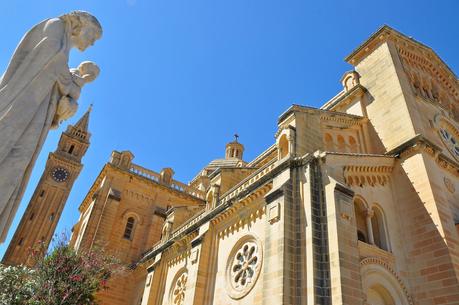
(233, 162)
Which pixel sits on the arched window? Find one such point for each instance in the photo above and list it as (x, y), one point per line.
(129, 228)
(361, 236)
(72, 147)
(360, 219)
(379, 229)
(341, 144)
(328, 142)
(283, 147)
(352, 144)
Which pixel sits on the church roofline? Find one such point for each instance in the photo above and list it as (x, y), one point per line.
(334, 101)
(299, 108)
(384, 33)
(388, 156)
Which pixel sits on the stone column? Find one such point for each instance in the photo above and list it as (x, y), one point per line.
(371, 239)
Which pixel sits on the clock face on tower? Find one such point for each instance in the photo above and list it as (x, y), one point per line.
(59, 174)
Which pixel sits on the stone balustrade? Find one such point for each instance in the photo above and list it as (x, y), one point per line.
(141, 171)
(156, 177)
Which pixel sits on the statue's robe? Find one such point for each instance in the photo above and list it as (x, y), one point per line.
(36, 77)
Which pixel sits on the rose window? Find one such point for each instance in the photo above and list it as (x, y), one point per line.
(178, 292)
(243, 267)
(451, 141)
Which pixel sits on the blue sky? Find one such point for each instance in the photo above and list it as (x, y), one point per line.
(179, 78)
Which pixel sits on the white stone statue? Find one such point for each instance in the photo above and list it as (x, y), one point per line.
(37, 91)
(67, 106)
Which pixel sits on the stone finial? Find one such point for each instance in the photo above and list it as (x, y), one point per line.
(121, 159)
(166, 175)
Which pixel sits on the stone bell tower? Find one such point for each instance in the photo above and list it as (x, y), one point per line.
(44, 210)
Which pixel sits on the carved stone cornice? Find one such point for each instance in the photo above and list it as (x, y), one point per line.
(368, 169)
(419, 144)
(245, 210)
(423, 67)
(367, 175)
(180, 249)
(332, 115)
(384, 34)
(346, 121)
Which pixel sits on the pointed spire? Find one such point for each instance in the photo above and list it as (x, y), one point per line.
(83, 122)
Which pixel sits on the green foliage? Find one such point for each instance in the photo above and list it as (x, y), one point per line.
(62, 277)
(17, 285)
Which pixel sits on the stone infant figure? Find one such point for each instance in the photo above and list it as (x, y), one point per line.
(85, 73)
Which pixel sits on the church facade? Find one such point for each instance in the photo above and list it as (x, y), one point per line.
(356, 202)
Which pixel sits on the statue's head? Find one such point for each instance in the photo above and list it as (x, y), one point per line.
(86, 29)
(89, 70)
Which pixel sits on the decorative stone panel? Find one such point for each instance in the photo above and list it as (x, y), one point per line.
(178, 288)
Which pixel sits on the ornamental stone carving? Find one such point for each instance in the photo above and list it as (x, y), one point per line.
(243, 266)
(178, 288)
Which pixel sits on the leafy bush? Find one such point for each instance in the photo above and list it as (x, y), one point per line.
(17, 285)
(62, 277)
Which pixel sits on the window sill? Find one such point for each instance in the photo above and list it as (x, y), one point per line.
(367, 250)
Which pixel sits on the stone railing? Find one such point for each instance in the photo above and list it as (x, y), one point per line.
(187, 189)
(176, 185)
(141, 171)
(367, 250)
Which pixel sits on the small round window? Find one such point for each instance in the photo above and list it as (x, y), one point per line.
(243, 267)
(450, 140)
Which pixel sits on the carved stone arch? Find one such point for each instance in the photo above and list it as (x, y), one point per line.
(285, 141)
(358, 197)
(378, 276)
(129, 213)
